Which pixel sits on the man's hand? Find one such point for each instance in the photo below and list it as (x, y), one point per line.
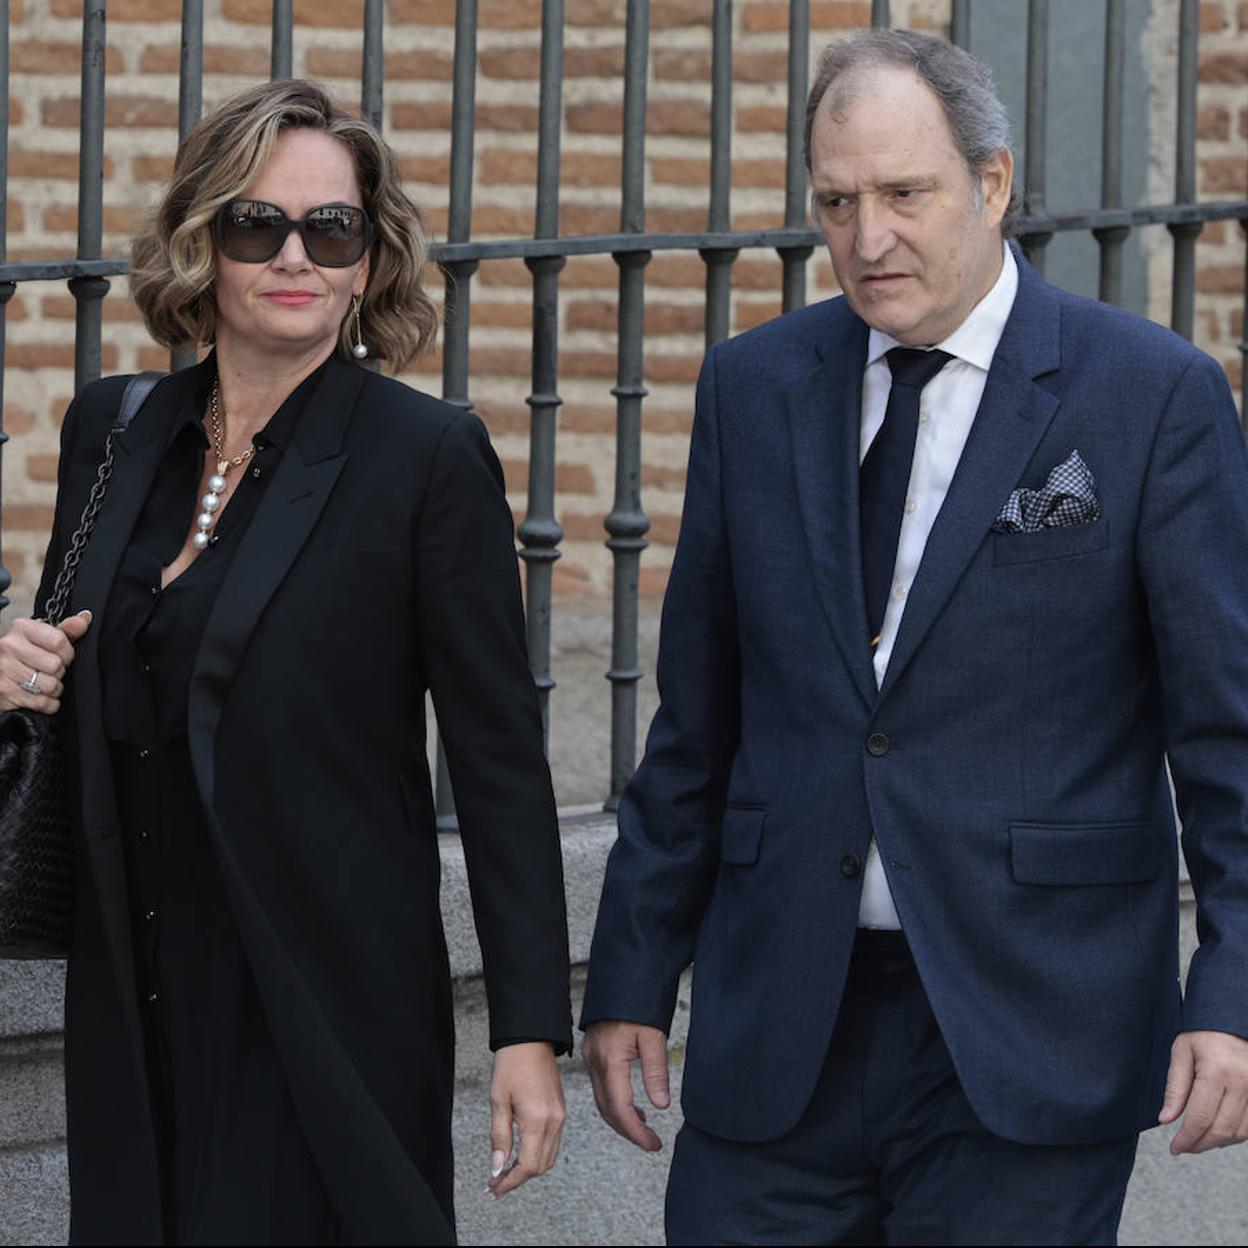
(527, 1093)
(1208, 1075)
(609, 1049)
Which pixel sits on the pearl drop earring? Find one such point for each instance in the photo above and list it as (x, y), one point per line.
(360, 351)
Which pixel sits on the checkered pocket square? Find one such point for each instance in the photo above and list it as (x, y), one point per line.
(1067, 497)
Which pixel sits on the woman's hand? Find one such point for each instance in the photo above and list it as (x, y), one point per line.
(526, 1092)
(35, 652)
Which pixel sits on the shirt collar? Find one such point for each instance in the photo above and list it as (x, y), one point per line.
(975, 340)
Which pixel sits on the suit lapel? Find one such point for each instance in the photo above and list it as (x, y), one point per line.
(291, 506)
(1013, 416)
(824, 428)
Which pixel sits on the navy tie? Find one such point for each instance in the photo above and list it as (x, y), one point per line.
(885, 475)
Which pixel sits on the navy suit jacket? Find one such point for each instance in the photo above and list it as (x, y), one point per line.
(1016, 779)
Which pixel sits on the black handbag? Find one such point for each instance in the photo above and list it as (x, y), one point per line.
(36, 859)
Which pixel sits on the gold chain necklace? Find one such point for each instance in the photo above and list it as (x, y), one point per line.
(211, 502)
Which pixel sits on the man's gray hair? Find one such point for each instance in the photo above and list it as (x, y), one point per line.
(964, 86)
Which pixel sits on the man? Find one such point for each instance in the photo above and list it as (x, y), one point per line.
(962, 563)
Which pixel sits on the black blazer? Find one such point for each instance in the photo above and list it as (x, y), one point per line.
(380, 564)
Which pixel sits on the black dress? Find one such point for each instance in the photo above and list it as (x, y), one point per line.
(235, 1166)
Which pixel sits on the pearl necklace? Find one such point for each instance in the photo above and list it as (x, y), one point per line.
(211, 502)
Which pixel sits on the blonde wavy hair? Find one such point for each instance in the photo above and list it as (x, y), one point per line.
(173, 258)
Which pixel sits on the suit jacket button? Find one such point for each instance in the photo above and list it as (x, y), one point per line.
(877, 744)
(850, 866)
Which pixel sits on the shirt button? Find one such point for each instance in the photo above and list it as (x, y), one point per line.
(214, 539)
(923, 419)
(147, 668)
(911, 506)
(144, 753)
(155, 590)
(257, 473)
(152, 998)
(850, 866)
(145, 835)
(150, 917)
(899, 592)
(878, 744)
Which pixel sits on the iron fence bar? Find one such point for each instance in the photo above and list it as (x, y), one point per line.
(282, 42)
(457, 278)
(7, 288)
(1183, 277)
(1111, 238)
(627, 523)
(541, 533)
(89, 291)
(880, 15)
(372, 74)
(960, 24)
(793, 258)
(1036, 141)
(190, 108)
(719, 260)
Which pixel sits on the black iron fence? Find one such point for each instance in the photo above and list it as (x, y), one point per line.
(631, 248)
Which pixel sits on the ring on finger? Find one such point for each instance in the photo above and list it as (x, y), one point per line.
(31, 684)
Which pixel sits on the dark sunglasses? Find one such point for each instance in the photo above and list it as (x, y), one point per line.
(333, 235)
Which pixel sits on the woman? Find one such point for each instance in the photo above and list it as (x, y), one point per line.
(292, 549)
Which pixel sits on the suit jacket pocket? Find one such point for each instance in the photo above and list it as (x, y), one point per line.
(1087, 853)
(741, 836)
(1056, 543)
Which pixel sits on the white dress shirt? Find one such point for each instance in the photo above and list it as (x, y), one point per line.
(946, 412)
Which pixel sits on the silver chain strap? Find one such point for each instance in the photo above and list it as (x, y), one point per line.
(55, 610)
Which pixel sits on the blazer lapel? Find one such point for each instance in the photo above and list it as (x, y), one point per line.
(824, 427)
(290, 508)
(1013, 416)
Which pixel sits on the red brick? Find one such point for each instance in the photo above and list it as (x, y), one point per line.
(18, 420)
(1220, 279)
(219, 58)
(118, 218)
(17, 12)
(771, 220)
(1224, 174)
(152, 168)
(664, 14)
(27, 517)
(1243, 122)
(694, 65)
(125, 10)
(55, 56)
(578, 527)
(1234, 374)
(434, 115)
(577, 418)
(154, 359)
(599, 364)
(119, 110)
(1243, 15)
(676, 220)
(569, 478)
(569, 579)
(589, 273)
(15, 221)
(652, 582)
(764, 15)
(664, 528)
(54, 355)
(680, 117)
(656, 477)
(41, 467)
(502, 315)
(765, 118)
(605, 62)
(1237, 323)
(589, 218)
(501, 418)
(751, 312)
(1213, 16)
(24, 164)
(16, 309)
(665, 368)
(421, 64)
(1228, 67)
(512, 220)
(17, 112)
(116, 309)
(1213, 122)
(661, 318)
(436, 169)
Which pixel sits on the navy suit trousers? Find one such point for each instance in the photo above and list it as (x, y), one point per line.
(889, 1150)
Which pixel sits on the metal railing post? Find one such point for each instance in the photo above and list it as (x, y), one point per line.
(190, 108)
(541, 532)
(457, 276)
(282, 45)
(372, 76)
(1111, 238)
(6, 288)
(89, 292)
(793, 257)
(626, 522)
(1183, 276)
(719, 260)
(1037, 144)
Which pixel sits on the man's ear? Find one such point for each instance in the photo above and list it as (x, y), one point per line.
(996, 181)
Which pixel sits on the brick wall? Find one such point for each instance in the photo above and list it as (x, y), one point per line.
(142, 115)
